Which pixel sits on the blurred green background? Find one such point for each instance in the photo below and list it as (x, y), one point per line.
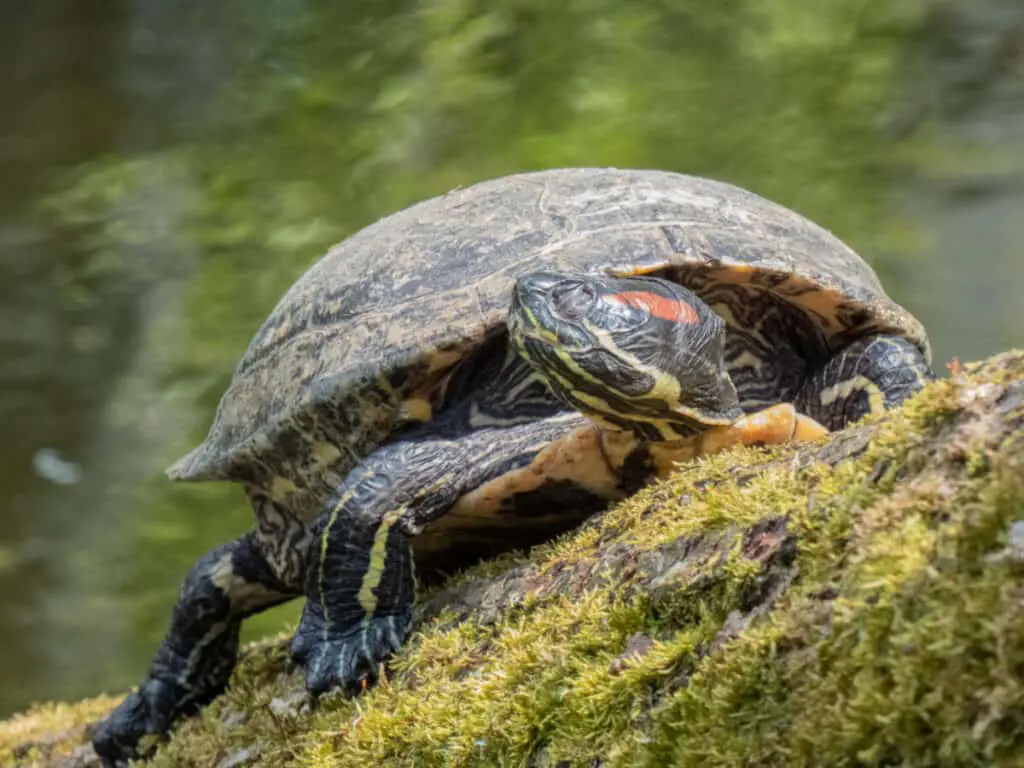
(167, 169)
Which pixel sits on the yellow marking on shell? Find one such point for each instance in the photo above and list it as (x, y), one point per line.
(639, 269)
(440, 366)
(416, 409)
(821, 301)
(822, 304)
(385, 385)
(325, 453)
(842, 390)
(442, 361)
(281, 488)
(378, 559)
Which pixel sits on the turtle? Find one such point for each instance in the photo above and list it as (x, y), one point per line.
(486, 369)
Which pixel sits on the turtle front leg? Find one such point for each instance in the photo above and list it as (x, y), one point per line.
(196, 657)
(870, 375)
(360, 593)
(360, 585)
(774, 425)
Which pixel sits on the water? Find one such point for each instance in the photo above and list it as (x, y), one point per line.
(166, 173)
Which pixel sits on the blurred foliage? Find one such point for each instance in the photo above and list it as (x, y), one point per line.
(331, 115)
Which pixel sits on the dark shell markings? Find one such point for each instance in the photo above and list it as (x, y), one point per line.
(362, 343)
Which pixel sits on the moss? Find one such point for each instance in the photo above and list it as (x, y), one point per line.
(856, 602)
(49, 731)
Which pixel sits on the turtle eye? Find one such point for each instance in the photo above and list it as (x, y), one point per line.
(572, 300)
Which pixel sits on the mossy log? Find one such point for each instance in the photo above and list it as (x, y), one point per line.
(855, 602)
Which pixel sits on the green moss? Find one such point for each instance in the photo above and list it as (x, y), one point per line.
(917, 660)
(48, 731)
(816, 611)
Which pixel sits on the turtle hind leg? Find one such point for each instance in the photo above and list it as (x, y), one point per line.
(198, 654)
(868, 376)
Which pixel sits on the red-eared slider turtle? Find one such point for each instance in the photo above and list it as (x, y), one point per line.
(499, 360)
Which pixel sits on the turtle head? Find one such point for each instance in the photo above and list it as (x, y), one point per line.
(633, 353)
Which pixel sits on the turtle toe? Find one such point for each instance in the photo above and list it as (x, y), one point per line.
(135, 727)
(351, 660)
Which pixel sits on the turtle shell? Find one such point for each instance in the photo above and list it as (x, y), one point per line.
(361, 343)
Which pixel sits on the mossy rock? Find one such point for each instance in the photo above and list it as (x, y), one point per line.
(855, 602)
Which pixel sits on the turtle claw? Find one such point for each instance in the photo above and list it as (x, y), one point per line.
(135, 727)
(351, 660)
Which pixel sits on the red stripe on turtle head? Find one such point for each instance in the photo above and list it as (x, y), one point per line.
(675, 310)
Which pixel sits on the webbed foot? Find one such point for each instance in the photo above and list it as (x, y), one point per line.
(349, 660)
(134, 728)
(359, 598)
(774, 425)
